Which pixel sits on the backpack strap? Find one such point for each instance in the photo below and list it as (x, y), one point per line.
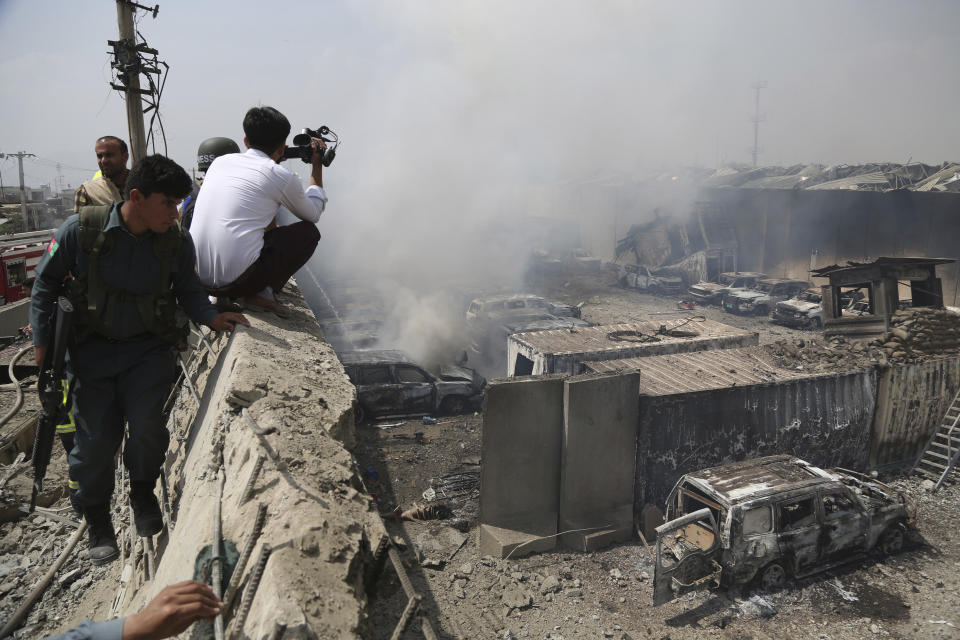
(94, 243)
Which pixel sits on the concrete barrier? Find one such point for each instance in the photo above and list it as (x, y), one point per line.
(600, 414)
(520, 474)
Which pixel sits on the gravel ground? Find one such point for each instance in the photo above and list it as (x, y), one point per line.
(609, 594)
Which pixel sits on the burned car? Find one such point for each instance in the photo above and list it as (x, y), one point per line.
(805, 311)
(484, 309)
(638, 276)
(761, 299)
(713, 292)
(389, 384)
(770, 518)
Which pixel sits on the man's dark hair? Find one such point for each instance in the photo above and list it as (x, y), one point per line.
(123, 145)
(266, 128)
(158, 174)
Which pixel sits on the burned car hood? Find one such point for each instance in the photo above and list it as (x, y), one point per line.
(708, 286)
(746, 294)
(799, 305)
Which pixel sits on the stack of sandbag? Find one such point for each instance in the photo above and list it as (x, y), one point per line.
(921, 332)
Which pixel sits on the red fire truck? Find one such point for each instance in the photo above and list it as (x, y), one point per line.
(19, 255)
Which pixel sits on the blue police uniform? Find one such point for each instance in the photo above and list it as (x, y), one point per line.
(122, 371)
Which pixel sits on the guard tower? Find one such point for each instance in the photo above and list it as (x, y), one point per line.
(880, 281)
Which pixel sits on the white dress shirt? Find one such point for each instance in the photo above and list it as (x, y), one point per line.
(241, 194)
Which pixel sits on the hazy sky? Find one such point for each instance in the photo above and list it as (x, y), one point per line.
(520, 90)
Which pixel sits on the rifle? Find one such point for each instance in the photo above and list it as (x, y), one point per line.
(50, 389)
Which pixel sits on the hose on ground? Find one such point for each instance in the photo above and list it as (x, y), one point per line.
(15, 384)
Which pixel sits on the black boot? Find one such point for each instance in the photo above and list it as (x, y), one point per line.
(103, 540)
(146, 509)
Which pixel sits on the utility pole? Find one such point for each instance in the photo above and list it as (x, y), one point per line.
(757, 119)
(128, 64)
(23, 190)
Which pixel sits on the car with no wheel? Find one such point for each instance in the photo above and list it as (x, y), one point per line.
(771, 518)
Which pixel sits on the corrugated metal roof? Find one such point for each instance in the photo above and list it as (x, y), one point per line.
(854, 182)
(604, 337)
(701, 370)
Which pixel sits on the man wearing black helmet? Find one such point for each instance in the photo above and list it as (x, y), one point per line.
(209, 149)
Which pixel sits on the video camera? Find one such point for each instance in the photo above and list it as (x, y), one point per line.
(303, 145)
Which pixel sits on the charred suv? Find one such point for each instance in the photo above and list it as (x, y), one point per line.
(803, 311)
(761, 299)
(770, 518)
(713, 292)
(389, 384)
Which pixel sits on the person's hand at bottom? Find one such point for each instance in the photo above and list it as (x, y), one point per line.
(174, 609)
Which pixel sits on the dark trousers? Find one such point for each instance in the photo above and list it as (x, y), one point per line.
(112, 383)
(285, 250)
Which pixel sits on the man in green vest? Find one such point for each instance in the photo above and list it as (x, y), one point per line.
(131, 267)
(107, 186)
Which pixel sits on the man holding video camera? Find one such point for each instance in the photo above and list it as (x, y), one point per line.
(241, 253)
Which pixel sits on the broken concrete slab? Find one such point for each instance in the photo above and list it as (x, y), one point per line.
(520, 477)
(600, 414)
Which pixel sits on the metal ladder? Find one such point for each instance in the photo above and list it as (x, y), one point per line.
(942, 452)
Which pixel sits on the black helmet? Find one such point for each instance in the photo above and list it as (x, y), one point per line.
(214, 148)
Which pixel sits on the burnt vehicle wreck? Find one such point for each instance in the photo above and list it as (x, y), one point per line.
(389, 384)
(805, 311)
(641, 278)
(762, 299)
(713, 292)
(770, 518)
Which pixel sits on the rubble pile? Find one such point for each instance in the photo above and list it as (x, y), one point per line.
(917, 333)
(824, 356)
(27, 549)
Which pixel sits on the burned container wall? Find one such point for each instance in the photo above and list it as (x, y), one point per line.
(825, 420)
(911, 401)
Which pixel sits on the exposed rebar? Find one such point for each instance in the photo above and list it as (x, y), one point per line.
(165, 502)
(245, 554)
(205, 342)
(186, 378)
(252, 480)
(256, 574)
(215, 558)
(151, 558)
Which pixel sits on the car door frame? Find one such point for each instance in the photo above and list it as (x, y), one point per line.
(858, 521)
(667, 582)
(413, 403)
(805, 539)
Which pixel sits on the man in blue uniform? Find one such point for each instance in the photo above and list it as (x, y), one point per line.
(131, 267)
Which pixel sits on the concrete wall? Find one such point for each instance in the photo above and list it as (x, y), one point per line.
(322, 529)
(825, 420)
(911, 401)
(520, 477)
(13, 317)
(600, 414)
